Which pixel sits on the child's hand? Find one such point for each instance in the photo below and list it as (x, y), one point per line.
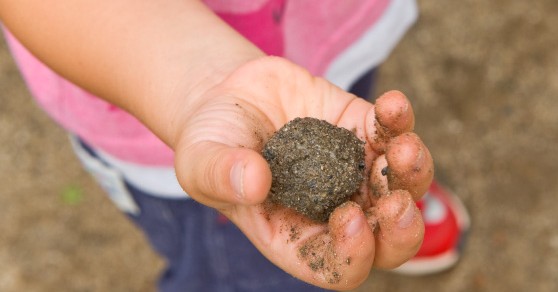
(157, 61)
(219, 164)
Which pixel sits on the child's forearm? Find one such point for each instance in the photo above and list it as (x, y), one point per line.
(152, 58)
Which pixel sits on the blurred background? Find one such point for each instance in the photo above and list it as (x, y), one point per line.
(483, 79)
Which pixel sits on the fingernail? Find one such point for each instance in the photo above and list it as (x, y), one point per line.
(237, 178)
(407, 216)
(354, 227)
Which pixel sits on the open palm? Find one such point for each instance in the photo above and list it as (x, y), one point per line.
(218, 162)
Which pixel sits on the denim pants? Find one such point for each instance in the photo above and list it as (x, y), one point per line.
(203, 250)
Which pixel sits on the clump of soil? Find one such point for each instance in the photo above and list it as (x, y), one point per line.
(315, 166)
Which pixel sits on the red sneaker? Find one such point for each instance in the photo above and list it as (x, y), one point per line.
(446, 224)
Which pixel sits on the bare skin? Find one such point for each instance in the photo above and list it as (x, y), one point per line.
(215, 98)
(230, 126)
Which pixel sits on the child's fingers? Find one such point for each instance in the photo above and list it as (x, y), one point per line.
(400, 229)
(353, 247)
(392, 116)
(395, 113)
(342, 258)
(410, 165)
(407, 165)
(214, 173)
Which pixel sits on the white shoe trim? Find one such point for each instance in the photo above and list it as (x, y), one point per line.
(430, 265)
(446, 260)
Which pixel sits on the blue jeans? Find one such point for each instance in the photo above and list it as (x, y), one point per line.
(204, 251)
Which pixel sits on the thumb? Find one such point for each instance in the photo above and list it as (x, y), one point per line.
(215, 174)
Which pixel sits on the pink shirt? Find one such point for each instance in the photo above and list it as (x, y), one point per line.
(337, 39)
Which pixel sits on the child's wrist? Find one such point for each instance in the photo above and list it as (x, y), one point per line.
(189, 97)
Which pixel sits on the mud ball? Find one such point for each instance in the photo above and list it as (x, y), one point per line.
(315, 166)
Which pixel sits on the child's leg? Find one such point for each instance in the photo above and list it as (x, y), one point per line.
(203, 250)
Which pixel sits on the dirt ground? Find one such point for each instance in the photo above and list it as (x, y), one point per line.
(483, 77)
